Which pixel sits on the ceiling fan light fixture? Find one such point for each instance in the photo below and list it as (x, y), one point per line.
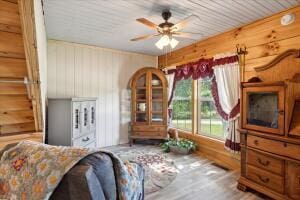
(165, 40)
(159, 45)
(173, 43)
(162, 42)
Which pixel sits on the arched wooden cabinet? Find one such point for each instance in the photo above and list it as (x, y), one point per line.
(149, 104)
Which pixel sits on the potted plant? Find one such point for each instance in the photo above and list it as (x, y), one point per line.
(181, 146)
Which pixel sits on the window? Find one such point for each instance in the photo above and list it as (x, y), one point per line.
(209, 121)
(182, 105)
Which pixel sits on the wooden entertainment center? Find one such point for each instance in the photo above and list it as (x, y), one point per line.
(270, 128)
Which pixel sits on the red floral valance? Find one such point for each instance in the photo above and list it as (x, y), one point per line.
(226, 60)
(200, 69)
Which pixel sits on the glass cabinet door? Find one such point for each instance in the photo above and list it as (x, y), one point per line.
(264, 109)
(157, 91)
(141, 106)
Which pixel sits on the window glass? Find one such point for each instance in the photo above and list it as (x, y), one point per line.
(182, 105)
(209, 121)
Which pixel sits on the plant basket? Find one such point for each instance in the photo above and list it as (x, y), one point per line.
(179, 150)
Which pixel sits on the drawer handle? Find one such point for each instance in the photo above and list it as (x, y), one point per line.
(265, 180)
(256, 142)
(262, 162)
(86, 139)
(285, 144)
(281, 112)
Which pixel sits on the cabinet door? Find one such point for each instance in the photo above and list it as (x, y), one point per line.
(76, 119)
(293, 180)
(92, 115)
(85, 125)
(263, 109)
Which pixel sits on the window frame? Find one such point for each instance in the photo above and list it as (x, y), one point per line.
(195, 130)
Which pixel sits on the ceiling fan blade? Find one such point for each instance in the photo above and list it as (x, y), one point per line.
(180, 25)
(144, 37)
(185, 34)
(147, 23)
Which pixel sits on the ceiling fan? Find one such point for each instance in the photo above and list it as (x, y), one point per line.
(166, 30)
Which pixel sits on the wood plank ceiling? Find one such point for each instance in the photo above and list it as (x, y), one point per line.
(112, 24)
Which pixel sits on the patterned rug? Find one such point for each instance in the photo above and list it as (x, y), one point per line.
(159, 170)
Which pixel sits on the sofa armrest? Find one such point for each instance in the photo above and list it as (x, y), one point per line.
(79, 183)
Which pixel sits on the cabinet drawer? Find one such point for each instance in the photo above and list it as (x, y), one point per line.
(140, 133)
(265, 178)
(273, 146)
(84, 140)
(149, 128)
(265, 162)
(293, 180)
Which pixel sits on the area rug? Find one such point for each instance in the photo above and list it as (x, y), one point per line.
(159, 170)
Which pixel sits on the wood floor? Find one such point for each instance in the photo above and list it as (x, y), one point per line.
(198, 178)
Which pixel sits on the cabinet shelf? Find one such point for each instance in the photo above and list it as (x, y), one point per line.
(157, 87)
(157, 100)
(140, 112)
(157, 112)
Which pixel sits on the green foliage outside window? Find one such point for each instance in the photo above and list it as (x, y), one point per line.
(182, 101)
(209, 121)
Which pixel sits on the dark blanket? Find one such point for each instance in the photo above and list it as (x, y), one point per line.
(94, 177)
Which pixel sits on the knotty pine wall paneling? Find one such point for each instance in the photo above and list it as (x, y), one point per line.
(76, 70)
(264, 39)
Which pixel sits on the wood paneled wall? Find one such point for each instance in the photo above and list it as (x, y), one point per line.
(16, 115)
(264, 40)
(76, 70)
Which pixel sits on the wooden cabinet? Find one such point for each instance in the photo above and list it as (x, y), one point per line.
(149, 100)
(72, 122)
(270, 154)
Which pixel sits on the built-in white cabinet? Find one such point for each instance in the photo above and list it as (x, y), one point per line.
(72, 122)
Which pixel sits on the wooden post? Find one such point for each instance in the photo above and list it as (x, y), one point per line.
(241, 52)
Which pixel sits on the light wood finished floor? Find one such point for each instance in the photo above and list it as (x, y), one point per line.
(198, 179)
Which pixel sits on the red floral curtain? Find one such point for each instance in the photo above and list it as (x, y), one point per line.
(203, 68)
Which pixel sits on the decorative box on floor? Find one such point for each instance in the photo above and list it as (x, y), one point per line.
(270, 129)
(149, 90)
(72, 122)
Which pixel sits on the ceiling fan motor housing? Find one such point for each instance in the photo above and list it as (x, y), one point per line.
(166, 25)
(166, 15)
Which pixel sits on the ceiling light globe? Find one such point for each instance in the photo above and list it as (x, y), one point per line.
(173, 43)
(165, 40)
(159, 45)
